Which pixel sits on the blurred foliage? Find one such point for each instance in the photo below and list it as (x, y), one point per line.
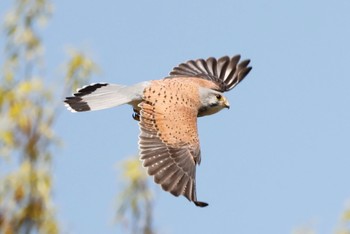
(79, 69)
(343, 226)
(135, 202)
(27, 115)
(23, 42)
(304, 230)
(344, 223)
(26, 124)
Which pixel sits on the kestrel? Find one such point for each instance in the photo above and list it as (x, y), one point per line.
(167, 112)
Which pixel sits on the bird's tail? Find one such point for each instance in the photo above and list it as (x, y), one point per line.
(102, 95)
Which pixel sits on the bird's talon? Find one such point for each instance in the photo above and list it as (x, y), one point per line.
(136, 115)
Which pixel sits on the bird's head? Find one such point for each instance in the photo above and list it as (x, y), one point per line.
(212, 102)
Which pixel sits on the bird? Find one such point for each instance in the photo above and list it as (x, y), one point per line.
(167, 112)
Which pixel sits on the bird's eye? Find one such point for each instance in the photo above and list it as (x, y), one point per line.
(218, 96)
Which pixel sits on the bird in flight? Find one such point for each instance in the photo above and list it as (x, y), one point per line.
(167, 112)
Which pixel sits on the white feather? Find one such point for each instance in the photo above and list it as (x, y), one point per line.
(101, 96)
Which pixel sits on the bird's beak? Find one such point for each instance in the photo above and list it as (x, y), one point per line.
(226, 104)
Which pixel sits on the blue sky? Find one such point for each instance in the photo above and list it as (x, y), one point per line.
(277, 160)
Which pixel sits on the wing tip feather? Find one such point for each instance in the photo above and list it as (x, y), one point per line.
(225, 71)
(200, 203)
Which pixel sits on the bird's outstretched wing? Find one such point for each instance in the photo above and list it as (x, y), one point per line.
(169, 144)
(226, 72)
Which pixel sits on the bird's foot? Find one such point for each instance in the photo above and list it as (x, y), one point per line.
(136, 115)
